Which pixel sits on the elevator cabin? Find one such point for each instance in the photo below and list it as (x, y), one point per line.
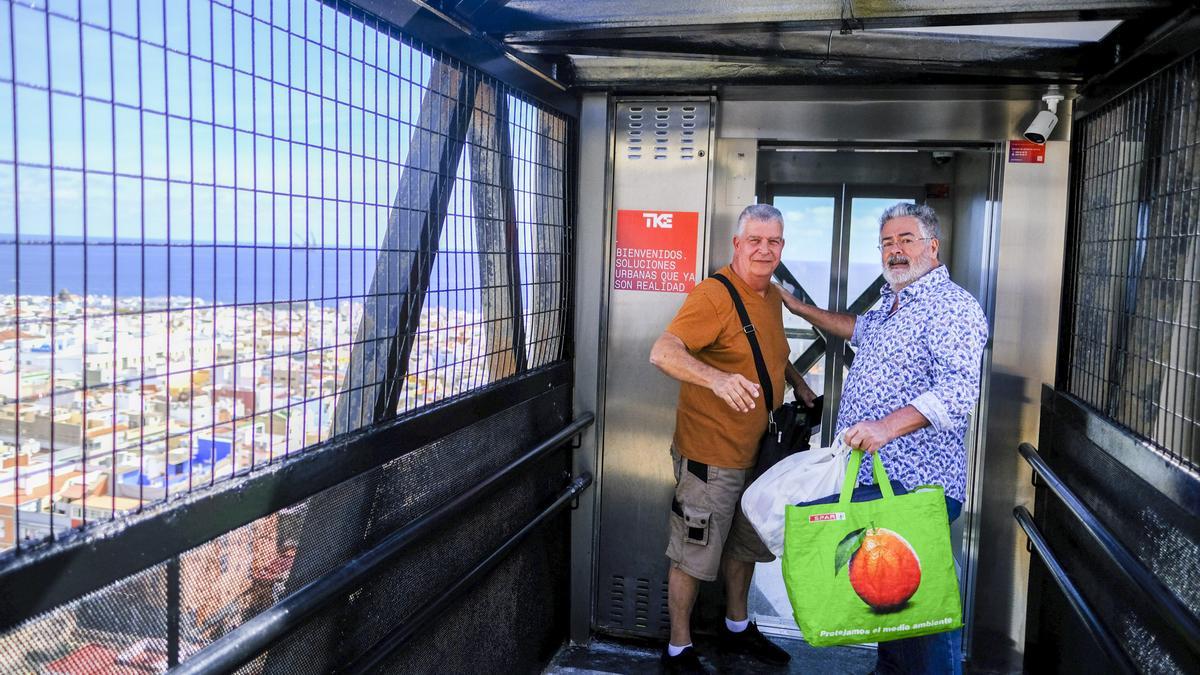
(681, 171)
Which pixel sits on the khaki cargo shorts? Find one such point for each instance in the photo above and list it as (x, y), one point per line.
(707, 520)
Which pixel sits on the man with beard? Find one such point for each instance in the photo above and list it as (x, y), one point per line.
(719, 420)
(914, 382)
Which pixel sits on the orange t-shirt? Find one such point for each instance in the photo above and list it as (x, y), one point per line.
(706, 428)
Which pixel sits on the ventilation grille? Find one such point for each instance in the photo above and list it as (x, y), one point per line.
(663, 131)
(649, 613)
(616, 601)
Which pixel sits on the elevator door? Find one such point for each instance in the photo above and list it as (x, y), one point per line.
(830, 258)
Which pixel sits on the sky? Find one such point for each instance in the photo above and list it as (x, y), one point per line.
(199, 122)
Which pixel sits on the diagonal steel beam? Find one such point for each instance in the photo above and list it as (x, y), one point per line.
(448, 149)
(496, 234)
(815, 350)
(868, 297)
(385, 338)
(397, 292)
(473, 11)
(810, 356)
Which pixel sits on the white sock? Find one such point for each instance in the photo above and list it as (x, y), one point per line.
(672, 650)
(736, 626)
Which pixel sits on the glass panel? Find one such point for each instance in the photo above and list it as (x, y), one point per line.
(808, 228)
(864, 267)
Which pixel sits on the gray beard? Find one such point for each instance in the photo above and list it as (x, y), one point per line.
(917, 267)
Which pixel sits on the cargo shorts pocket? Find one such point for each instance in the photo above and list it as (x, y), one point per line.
(695, 522)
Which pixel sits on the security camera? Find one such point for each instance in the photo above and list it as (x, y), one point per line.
(941, 157)
(1045, 121)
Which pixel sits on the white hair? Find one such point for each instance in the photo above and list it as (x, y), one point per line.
(926, 218)
(764, 212)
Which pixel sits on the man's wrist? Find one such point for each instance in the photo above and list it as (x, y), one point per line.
(889, 430)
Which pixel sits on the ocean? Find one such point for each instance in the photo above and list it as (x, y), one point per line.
(216, 273)
(227, 273)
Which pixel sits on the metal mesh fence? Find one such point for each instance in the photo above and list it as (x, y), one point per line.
(232, 230)
(120, 628)
(1133, 308)
(224, 582)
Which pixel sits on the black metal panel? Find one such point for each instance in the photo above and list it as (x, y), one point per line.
(241, 645)
(126, 620)
(1162, 534)
(400, 635)
(1107, 644)
(1158, 596)
(411, 486)
(105, 554)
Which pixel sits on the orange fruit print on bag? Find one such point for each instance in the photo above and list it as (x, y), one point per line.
(884, 569)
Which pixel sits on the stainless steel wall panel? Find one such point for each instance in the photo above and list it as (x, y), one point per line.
(735, 176)
(661, 162)
(1024, 352)
(591, 244)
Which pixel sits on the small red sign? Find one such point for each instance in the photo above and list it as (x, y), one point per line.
(656, 251)
(1026, 152)
(937, 191)
(822, 517)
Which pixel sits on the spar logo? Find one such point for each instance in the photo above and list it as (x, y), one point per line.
(824, 517)
(656, 220)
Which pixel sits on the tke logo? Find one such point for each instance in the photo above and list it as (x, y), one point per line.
(658, 220)
(821, 517)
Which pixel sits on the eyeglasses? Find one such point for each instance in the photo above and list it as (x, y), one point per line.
(902, 242)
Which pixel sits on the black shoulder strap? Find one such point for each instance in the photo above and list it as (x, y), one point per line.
(764, 378)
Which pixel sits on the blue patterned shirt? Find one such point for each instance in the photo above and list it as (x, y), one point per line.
(926, 354)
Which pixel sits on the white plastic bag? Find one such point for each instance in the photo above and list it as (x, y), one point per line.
(802, 477)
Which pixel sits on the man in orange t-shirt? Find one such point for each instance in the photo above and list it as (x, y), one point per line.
(719, 420)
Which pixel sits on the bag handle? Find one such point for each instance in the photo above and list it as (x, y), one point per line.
(764, 378)
(881, 477)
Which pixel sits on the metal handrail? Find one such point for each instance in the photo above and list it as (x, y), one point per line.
(1164, 602)
(247, 641)
(425, 616)
(1101, 635)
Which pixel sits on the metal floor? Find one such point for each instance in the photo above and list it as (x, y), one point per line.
(606, 656)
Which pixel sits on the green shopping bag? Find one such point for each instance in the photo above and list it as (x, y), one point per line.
(871, 571)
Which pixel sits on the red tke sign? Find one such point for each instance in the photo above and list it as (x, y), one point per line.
(656, 251)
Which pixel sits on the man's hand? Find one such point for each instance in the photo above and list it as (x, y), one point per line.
(794, 305)
(804, 393)
(869, 435)
(736, 391)
(838, 323)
